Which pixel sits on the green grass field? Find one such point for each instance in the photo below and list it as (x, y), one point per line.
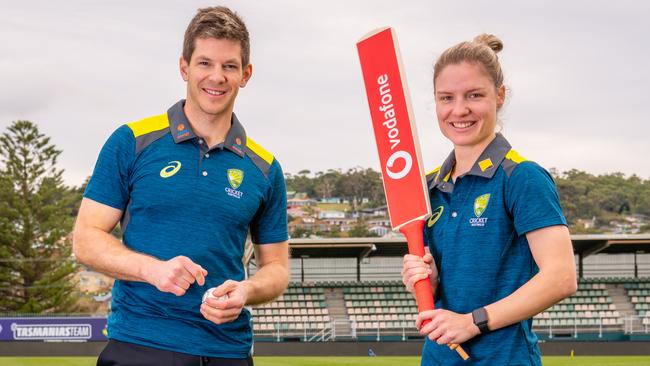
(343, 361)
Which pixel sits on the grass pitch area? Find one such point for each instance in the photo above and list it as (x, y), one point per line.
(343, 361)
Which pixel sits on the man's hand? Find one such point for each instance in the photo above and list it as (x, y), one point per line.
(227, 310)
(175, 275)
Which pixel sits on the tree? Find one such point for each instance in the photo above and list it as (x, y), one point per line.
(326, 183)
(359, 183)
(36, 216)
(360, 230)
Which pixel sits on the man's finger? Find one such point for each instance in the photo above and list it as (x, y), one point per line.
(175, 289)
(186, 275)
(182, 282)
(224, 288)
(200, 276)
(217, 303)
(197, 272)
(219, 313)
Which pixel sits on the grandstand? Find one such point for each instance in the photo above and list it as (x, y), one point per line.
(376, 310)
(346, 295)
(367, 301)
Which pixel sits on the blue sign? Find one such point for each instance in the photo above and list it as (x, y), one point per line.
(53, 329)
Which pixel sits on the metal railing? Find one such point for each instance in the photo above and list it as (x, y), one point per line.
(635, 324)
(627, 325)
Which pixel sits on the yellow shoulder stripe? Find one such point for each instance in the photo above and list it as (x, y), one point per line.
(434, 170)
(514, 156)
(149, 124)
(259, 150)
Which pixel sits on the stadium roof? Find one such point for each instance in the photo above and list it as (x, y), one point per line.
(583, 245)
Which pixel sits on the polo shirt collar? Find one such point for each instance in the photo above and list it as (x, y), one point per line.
(236, 137)
(182, 130)
(485, 166)
(178, 123)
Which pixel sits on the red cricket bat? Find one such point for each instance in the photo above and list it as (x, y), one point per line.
(406, 191)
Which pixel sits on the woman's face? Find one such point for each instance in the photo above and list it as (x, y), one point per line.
(466, 103)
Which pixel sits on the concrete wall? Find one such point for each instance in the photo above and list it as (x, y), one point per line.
(411, 348)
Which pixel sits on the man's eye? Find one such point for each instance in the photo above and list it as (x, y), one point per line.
(475, 95)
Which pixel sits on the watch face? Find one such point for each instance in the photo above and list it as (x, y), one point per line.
(480, 319)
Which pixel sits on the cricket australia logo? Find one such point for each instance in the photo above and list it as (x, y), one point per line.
(235, 178)
(480, 205)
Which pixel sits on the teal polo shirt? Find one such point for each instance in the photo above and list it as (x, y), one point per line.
(477, 236)
(180, 197)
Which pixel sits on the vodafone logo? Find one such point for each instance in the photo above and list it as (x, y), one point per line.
(408, 163)
(392, 132)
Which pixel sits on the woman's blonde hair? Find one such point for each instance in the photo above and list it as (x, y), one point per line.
(481, 50)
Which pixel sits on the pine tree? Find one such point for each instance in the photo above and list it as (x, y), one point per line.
(36, 217)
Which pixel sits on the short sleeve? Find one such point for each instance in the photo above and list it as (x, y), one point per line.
(270, 222)
(532, 199)
(109, 183)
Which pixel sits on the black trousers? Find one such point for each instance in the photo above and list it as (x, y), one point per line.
(117, 353)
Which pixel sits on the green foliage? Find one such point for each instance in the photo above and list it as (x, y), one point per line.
(353, 185)
(606, 197)
(584, 196)
(360, 230)
(36, 217)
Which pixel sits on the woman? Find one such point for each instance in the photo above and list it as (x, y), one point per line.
(499, 250)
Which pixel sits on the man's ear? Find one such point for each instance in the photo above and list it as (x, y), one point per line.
(183, 68)
(247, 73)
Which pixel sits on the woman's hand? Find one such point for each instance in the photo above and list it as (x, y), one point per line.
(446, 326)
(417, 268)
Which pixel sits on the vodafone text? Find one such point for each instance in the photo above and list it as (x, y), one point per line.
(390, 122)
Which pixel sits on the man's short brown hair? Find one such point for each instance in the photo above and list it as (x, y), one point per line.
(217, 22)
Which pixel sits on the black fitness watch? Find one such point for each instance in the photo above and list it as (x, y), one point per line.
(480, 317)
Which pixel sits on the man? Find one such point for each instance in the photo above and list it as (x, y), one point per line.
(187, 187)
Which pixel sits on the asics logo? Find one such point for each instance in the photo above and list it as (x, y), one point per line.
(435, 216)
(171, 169)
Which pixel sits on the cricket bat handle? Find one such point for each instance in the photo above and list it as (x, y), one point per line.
(414, 233)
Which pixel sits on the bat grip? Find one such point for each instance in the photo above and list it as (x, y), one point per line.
(414, 233)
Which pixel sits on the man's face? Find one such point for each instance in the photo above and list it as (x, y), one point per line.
(214, 75)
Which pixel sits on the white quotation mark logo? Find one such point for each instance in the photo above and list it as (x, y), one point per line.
(408, 163)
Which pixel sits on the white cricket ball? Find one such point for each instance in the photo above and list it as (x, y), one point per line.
(208, 294)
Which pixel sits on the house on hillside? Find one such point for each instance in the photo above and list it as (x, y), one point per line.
(297, 212)
(300, 202)
(336, 200)
(371, 212)
(384, 221)
(325, 214)
(379, 230)
(342, 224)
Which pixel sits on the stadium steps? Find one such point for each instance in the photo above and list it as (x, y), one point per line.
(620, 299)
(338, 313)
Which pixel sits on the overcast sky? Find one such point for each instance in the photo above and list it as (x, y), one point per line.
(578, 74)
